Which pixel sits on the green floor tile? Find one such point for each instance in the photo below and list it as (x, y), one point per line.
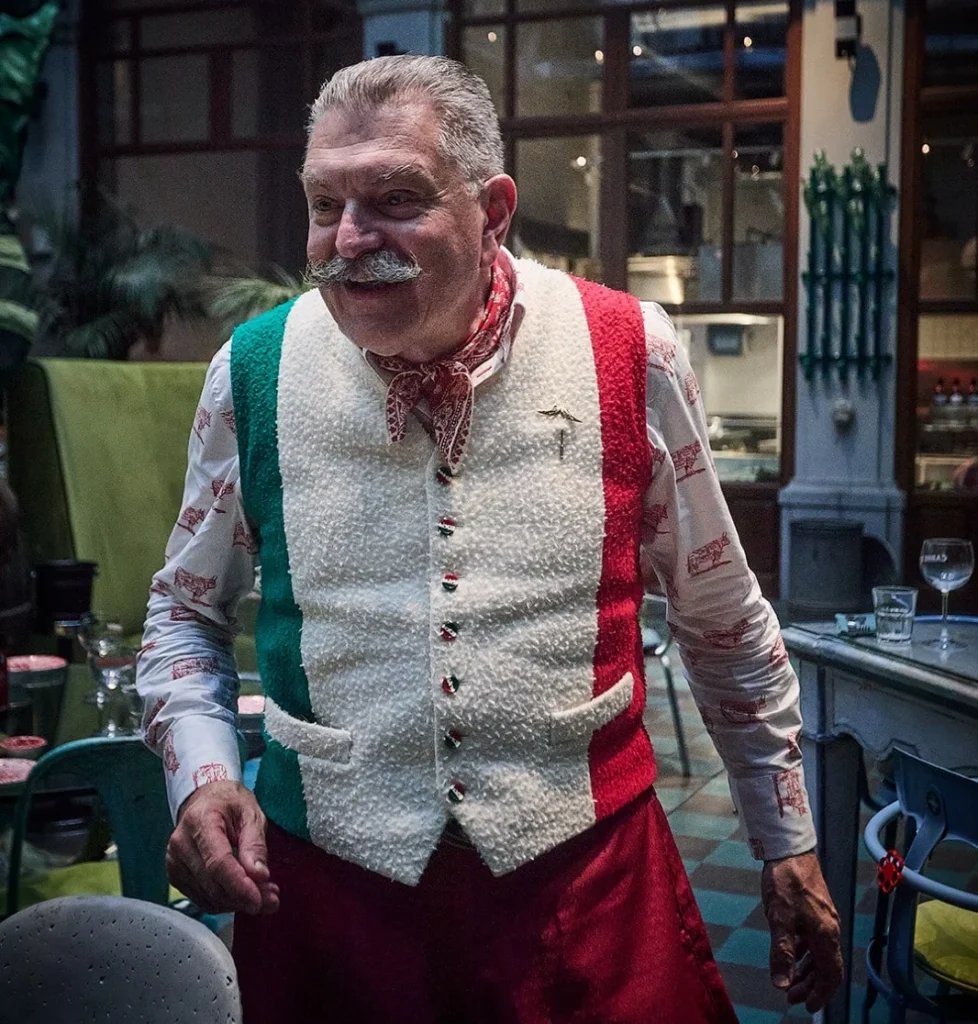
(672, 796)
(750, 1015)
(689, 823)
(727, 908)
(734, 854)
(748, 946)
(718, 786)
(690, 865)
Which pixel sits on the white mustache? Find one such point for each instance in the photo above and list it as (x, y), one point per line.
(384, 267)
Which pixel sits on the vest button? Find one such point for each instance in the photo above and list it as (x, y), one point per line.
(446, 526)
(456, 793)
(444, 476)
(453, 739)
(450, 582)
(450, 685)
(448, 631)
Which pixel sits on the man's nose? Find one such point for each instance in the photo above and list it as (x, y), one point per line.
(355, 234)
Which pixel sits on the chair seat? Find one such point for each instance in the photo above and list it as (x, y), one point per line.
(946, 944)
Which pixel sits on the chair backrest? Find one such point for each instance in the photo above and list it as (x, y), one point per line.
(130, 784)
(97, 958)
(941, 805)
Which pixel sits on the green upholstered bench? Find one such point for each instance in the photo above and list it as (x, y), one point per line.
(97, 458)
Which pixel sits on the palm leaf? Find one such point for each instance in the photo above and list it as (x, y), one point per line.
(234, 301)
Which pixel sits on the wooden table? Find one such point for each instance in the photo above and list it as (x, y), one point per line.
(858, 695)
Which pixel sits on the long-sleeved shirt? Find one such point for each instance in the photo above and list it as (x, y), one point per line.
(728, 636)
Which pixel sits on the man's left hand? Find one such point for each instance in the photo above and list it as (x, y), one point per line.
(806, 960)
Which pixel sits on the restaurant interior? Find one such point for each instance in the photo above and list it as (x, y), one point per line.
(793, 181)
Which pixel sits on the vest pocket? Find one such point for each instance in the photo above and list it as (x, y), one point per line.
(319, 741)
(574, 727)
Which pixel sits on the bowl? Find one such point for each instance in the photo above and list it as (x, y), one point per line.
(27, 671)
(28, 747)
(13, 770)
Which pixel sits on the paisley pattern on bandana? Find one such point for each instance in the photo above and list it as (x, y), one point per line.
(446, 384)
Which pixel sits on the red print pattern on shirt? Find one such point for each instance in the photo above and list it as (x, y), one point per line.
(708, 557)
(779, 653)
(654, 516)
(789, 792)
(181, 613)
(228, 416)
(202, 420)
(221, 489)
(661, 354)
(685, 458)
(209, 773)
(196, 586)
(692, 387)
(153, 727)
(658, 458)
(742, 712)
(728, 638)
(188, 666)
(170, 761)
(794, 747)
(159, 587)
(243, 539)
(190, 518)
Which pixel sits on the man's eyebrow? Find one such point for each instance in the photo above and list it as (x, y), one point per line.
(406, 172)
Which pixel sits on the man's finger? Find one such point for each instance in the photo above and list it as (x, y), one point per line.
(252, 851)
(782, 956)
(221, 867)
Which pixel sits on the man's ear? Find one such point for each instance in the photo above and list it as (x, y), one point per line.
(499, 204)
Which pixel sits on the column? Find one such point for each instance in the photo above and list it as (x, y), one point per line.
(844, 431)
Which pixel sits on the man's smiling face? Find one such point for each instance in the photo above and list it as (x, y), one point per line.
(375, 182)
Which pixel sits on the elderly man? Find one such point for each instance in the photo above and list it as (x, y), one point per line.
(456, 467)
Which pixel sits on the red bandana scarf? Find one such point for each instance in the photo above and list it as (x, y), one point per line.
(446, 383)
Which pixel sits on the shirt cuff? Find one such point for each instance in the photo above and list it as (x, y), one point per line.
(198, 749)
(775, 813)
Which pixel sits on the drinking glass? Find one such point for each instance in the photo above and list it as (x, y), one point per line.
(113, 664)
(946, 564)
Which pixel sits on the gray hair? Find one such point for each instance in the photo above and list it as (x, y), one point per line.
(469, 138)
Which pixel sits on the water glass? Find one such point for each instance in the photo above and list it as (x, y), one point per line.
(895, 608)
(113, 664)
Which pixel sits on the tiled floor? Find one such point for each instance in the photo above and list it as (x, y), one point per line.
(725, 878)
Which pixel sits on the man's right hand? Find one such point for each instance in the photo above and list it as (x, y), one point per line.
(216, 855)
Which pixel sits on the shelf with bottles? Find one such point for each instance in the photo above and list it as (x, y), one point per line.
(947, 406)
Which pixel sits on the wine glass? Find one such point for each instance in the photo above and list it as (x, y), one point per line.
(113, 664)
(946, 564)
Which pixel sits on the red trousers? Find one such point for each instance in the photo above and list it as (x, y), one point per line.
(601, 930)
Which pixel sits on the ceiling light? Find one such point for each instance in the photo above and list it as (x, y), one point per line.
(925, 148)
(599, 56)
(491, 36)
(581, 161)
(748, 42)
(637, 51)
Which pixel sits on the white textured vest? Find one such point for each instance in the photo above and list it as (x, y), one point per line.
(429, 644)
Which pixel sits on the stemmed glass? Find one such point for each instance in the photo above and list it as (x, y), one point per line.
(113, 664)
(946, 564)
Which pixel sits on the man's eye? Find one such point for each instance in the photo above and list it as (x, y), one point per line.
(397, 199)
(323, 204)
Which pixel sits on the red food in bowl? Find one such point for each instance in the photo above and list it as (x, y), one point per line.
(34, 663)
(251, 704)
(22, 746)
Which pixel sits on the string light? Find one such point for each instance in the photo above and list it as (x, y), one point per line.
(491, 36)
(925, 148)
(748, 42)
(599, 56)
(637, 51)
(581, 161)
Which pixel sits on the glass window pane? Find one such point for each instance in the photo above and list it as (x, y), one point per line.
(758, 256)
(547, 6)
(192, 190)
(244, 94)
(113, 102)
(174, 98)
(949, 206)
(483, 8)
(677, 56)
(950, 42)
(484, 51)
(737, 361)
(196, 28)
(675, 214)
(559, 66)
(557, 217)
(760, 38)
(947, 402)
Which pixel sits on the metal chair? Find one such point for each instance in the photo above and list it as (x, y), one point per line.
(656, 638)
(98, 958)
(129, 781)
(938, 805)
